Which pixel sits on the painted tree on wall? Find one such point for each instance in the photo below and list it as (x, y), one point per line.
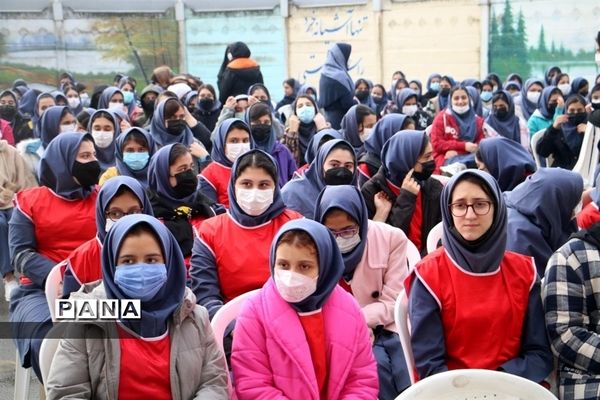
(508, 44)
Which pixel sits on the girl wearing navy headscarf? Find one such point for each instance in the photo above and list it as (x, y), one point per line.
(10, 112)
(550, 106)
(580, 86)
(112, 99)
(456, 132)
(293, 325)
(362, 92)
(374, 256)
(402, 193)
(54, 121)
(563, 139)
(506, 160)
(134, 149)
(541, 213)
(233, 139)
(48, 223)
(370, 162)
(290, 91)
(172, 340)
(335, 164)
(222, 266)
(42, 103)
(446, 84)
(526, 102)
(120, 196)
(407, 103)
(259, 117)
(318, 140)
(504, 120)
(336, 88)
(104, 128)
(357, 126)
(475, 100)
(172, 189)
(452, 291)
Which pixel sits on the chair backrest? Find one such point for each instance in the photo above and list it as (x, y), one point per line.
(434, 236)
(476, 384)
(539, 160)
(588, 155)
(401, 319)
(54, 286)
(47, 351)
(442, 178)
(412, 254)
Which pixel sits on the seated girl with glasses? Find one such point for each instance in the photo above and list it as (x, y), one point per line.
(472, 303)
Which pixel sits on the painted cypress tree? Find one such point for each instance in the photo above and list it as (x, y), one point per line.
(521, 53)
(542, 49)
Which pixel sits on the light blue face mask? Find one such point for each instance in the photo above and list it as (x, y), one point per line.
(486, 96)
(136, 161)
(127, 97)
(435, 86)
(306, 114)
(141, 281)
(33, 146)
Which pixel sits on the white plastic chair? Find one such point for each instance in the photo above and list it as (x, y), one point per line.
(539, 160)
(22, 379)
(54, 287)
(434, 236)
(442, 178)
(401, 319)
(588, 155)
(479, 384)
(412, 255)
(47, 350)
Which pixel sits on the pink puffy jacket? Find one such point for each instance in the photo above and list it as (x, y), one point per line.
(271, 358)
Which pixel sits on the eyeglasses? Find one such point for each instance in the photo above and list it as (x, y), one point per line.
(346, 233)
(115, 215)
(481, 207)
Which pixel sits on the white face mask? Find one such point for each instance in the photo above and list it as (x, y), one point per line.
(460, 109)
(254, 202)
(533, 96)
(234, 150)
(113, 106)
(294, 287)
(102, 139)
(347, 245)
(565, 88)
(109, 224)
(68, 128)
(365, 134)
(409, 111)
(74, 102)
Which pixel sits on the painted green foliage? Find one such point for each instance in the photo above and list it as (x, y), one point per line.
(508, 44)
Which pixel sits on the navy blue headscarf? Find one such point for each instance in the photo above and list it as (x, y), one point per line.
(300, 194)
(569, 130)
(475, 100)
(577, 84)
(236, 212)
(404, 95)
(36, 118)
(484, 254)
(106, 95)
(336, 65)
(158, 178)
(59, 96)
(349, 130)
(506, 160)
(124, 169)
(50, 123)
(527, 106)
(400, 154)
(303, 91)
(108, 192)
(384, 129)
(331, 263)
(27, 102)
(106, 157)
(269, 143)
(217, 154)
(313, 145)
(544, 99)
(159, 132)
(157, 311)
(509, 126)
(430, 78)
(56, 166)
(369, 100)
(444, 101)
(305, 131)
(467, 123)
(348, 199)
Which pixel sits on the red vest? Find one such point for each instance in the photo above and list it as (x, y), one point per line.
(218, 175)
(482, 314)
(85, 262)
(61, 225)
(416, 222)
(588, 216)
(241, 253)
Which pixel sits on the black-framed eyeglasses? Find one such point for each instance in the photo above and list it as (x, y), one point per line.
(346, 233)
(480, 207)
(115, 215)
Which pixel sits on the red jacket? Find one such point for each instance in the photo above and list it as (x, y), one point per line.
(445, 134)
(588, 216)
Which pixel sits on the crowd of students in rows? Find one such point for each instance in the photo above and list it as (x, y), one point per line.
(177, 196)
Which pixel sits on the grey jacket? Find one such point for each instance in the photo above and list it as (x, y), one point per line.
(86, 363)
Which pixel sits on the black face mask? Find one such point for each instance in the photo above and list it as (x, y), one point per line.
(584, 93)
(148, 106)
(175, 127)
(501, 113)
(362, 95)
(552, 108)
(338, 176)
(445, 92)
(87, 174)
(596, 106)
(377, 99)
(428, 168)
(206, 103)
(579, 118)
(8, 112)
(261, 132)
(187, 183)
